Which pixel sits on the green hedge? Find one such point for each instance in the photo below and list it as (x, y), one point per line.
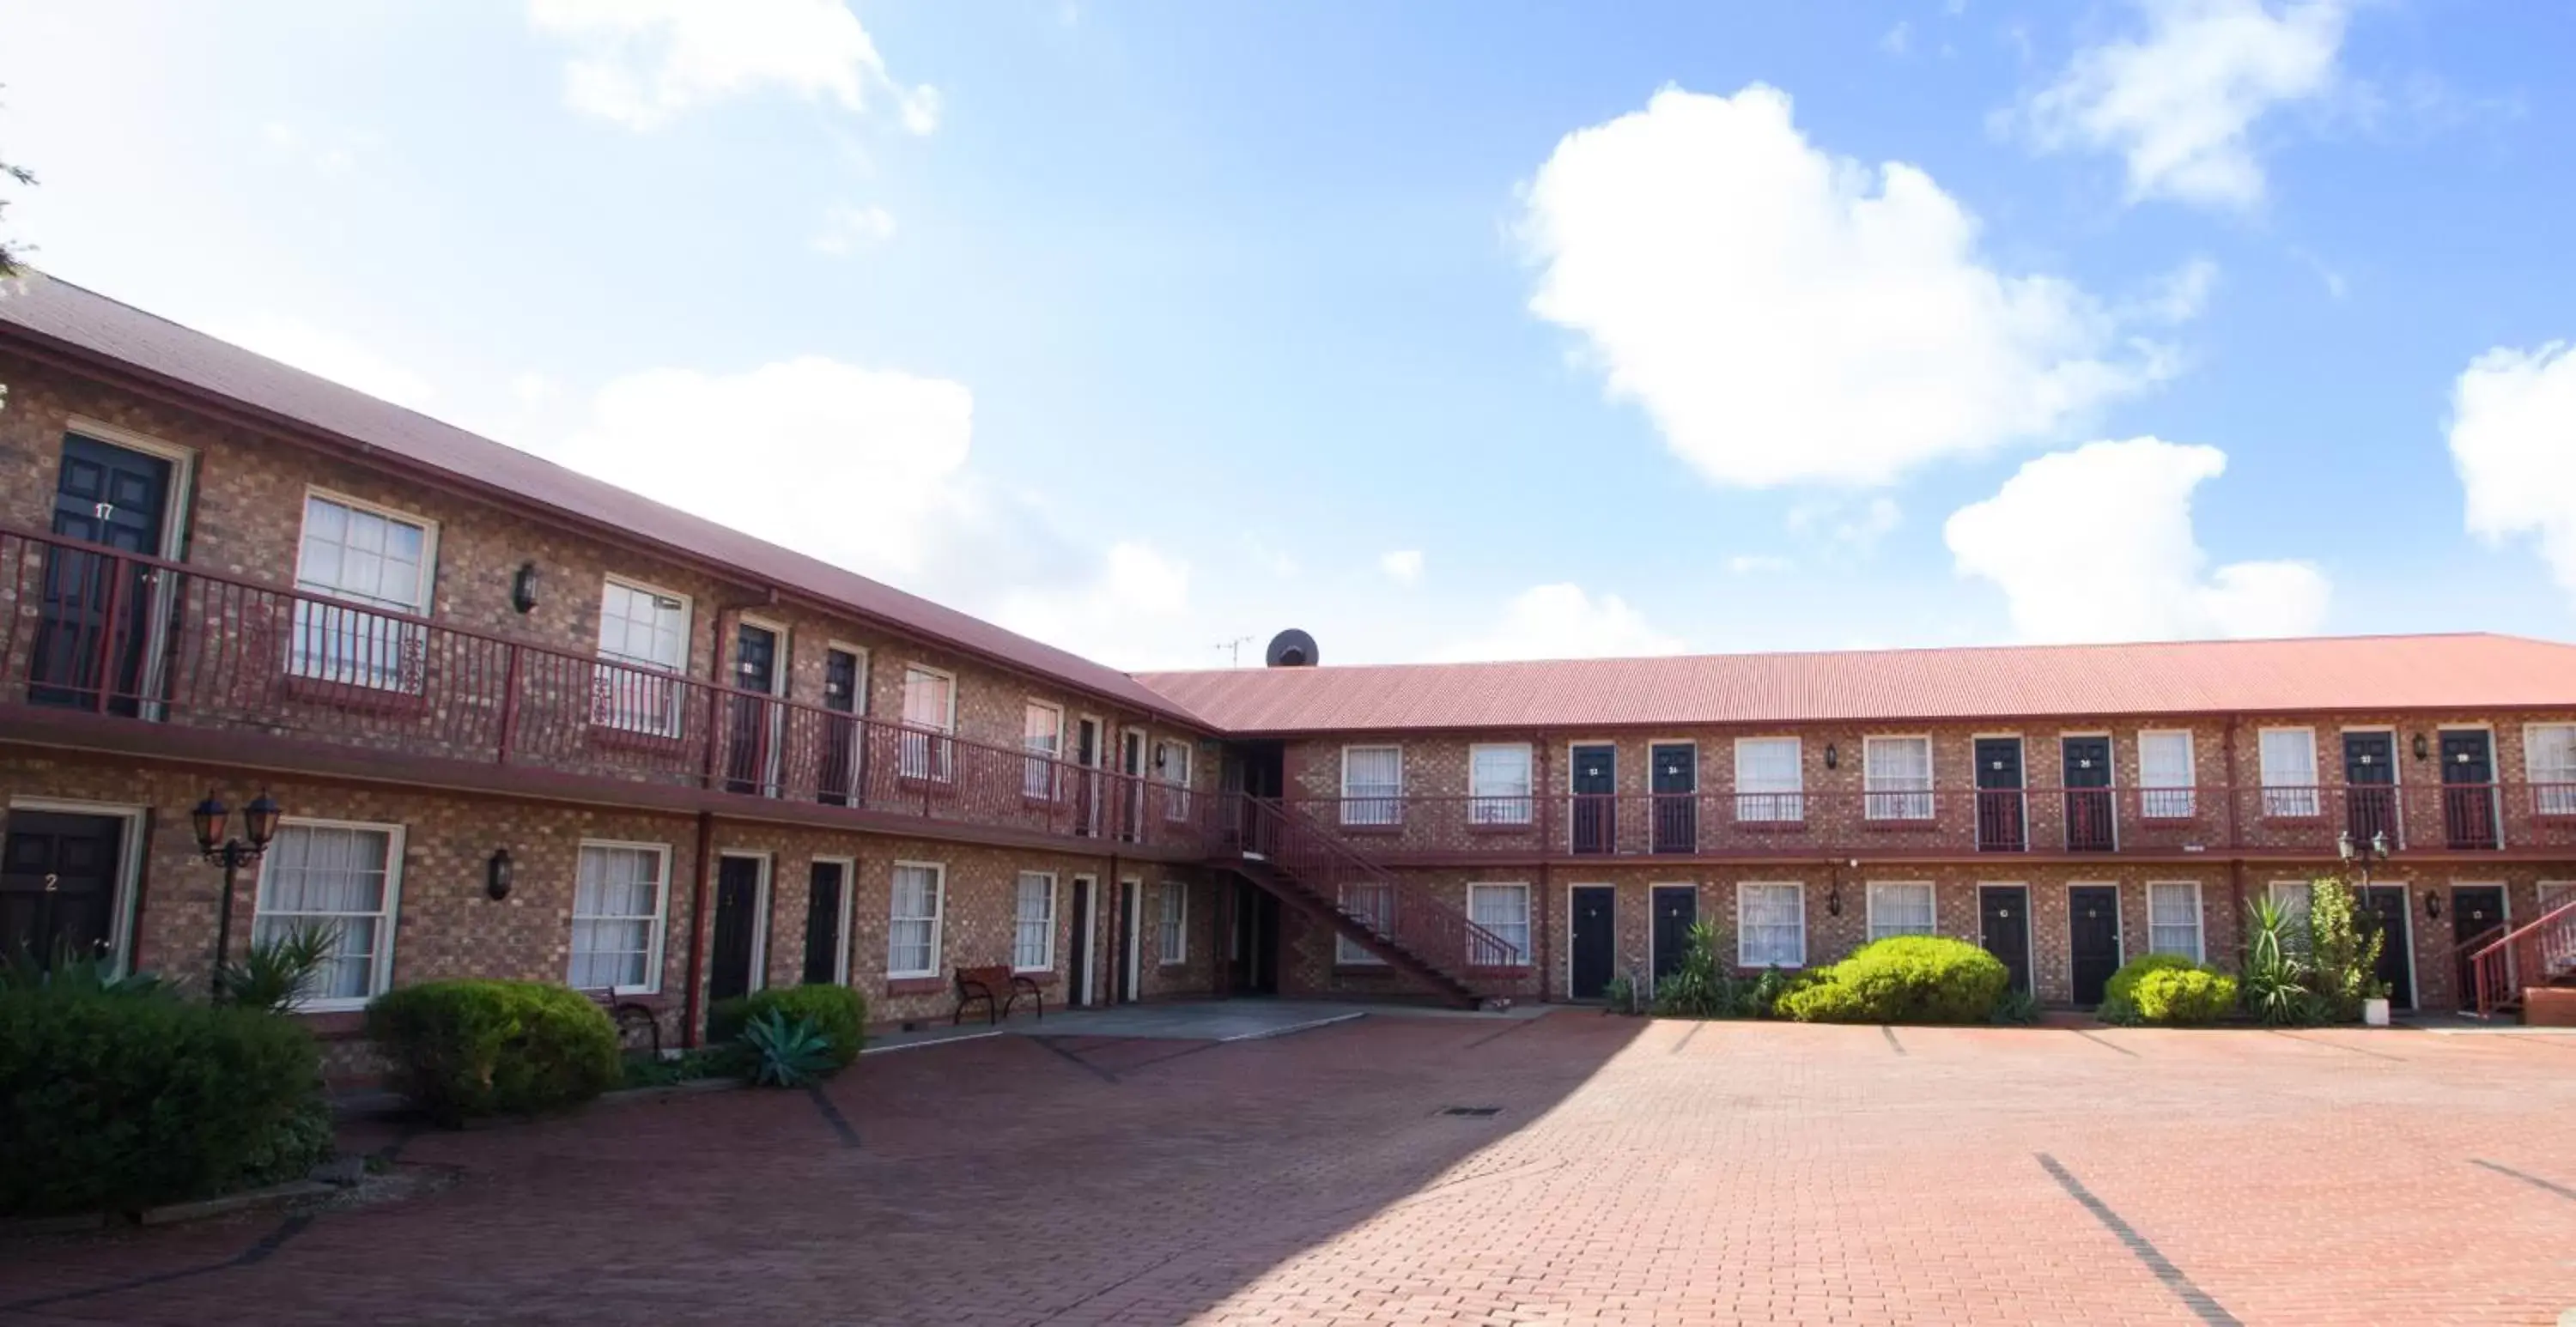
(1906, 979)
(466, 1048)
(124, 1101)
(838, 1012)
(2183, 997)
(2118, 993)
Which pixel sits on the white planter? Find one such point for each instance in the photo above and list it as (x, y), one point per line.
(2374, 1013)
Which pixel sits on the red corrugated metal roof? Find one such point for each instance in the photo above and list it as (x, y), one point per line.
(64, 317)
(2465, 673)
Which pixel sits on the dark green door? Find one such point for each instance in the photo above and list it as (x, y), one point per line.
(737, 920)
(1593, 955)
(823, 939)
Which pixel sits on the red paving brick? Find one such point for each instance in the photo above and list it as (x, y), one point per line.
(1637, 1173)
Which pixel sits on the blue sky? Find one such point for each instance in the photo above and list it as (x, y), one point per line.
(1440, 329)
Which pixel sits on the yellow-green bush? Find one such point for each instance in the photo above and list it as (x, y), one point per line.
(2184, 996)
(1905, 979)
(465, 1048)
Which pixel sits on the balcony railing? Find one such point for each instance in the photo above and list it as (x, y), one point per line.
(2303, 820)
(89, 629)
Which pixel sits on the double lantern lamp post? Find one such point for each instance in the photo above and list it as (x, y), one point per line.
(213, 823)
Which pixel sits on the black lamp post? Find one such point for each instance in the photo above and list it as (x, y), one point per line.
(2362, 853)
(259, 822)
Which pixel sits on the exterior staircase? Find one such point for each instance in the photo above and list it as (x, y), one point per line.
(2540, 953)
(1309, 868)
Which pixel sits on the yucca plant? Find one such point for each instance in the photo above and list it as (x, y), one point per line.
(2276, 981)
(73, 972)
(278, 973)
(786, 1052)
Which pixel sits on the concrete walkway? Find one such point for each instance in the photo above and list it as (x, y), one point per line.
(1186, 1020)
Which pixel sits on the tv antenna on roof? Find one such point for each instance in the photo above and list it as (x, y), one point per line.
(1233, 650)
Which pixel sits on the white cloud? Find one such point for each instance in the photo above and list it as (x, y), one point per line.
(1403, 566)
(1562, 622)
(1785, 315)
(2096, 544)
(2513, 440)
(2180, 103)
(327, 355)
(847, 229)
(2184, 293)
(1899, 39)
(642, 63)
(1850, 529)
(1757, 564)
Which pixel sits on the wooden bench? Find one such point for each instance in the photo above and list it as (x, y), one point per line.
(999, 988)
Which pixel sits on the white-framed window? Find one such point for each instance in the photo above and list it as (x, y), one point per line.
(1373, 902)
(2166, 773)
(929, 720)
(1172, 923)
(643, 650)
(1771, 925)
(1372, 785)
(1172, 770)
(1033, 923)
(2173, 918)
(2549, 762)
(618, 900)
(2291, 896)
(342, 878)
(366, 556)
(1770, 779)
(1896, 777)
(1042, 736)
(1498, 783)
(1901, 908)
(2289, 757)
(1503, 911)
(912, 919)
(2555, 894)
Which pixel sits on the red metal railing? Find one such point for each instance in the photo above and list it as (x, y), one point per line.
(1402, 913)
(2536, 953)
(83, 627)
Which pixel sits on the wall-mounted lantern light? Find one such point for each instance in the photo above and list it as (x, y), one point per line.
(2432, 905)
(2422, 747)
(523, 587)
(1832, 757)
(497, 874)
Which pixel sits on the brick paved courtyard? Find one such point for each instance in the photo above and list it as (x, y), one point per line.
(1634, 1172)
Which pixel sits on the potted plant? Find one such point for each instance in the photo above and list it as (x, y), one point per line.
(2374, 1004)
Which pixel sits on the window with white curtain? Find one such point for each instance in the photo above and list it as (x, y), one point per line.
(912, 930)
(1373, 902)
(2556, 894)
(643, 648)
(2165, 776)
(366, 557)
(1503, 911)
(929, 716)
(1172, 933)
(1372, 785)
(1771, 926)
(1770, 779)
(2289, 758)
(1896, 777)
(617, 909)
(2549, 761)
(1172, 770)
(1033, 923)
(1042, 736)
(2291, 896)
(343, 880)
(1498, 784)
(1903, 908)
(2173, 919)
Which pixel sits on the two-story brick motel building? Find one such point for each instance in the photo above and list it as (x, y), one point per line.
(702, 764)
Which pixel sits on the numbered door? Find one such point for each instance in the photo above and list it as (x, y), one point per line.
(2000, 814)
(2003, 924)
(1676, 911)
(1593, 956)
(2092, 939)
(838, 781)
(825, 941)
(2468, 789)
(2091, 825)
(2477, 913)
(2386, 908)
(1083, 925)
(730, 968)
(58, 878)
(113, 497)
(750, 740)
(1673, 768)
(2370, 786)
(1593, 774)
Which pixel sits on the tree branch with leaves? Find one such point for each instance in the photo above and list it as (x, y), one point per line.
(11, 254)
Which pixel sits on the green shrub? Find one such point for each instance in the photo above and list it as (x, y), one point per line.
(2184, 997)
(2118, 1006)
(838, 1012)
(1905, 979)
(2344, 942)
(466, 1048)
(2014, 1009)
(108, 1101)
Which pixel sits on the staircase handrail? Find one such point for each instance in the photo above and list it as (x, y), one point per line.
(2492, 966)
(1440, 935)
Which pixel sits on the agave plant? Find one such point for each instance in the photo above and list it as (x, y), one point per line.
(786, 1052)
(278, 973)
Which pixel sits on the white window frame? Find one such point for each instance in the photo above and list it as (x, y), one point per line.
(661, 917)
(2552, 793)
(1020, 920)
(1502, 808)
(2158, 801)
(928, 754)
(1346, 953)
(618, 675)
(322, 665)
(381, 965)
(1899, 801)
(1517, 953)
(1770, 806)
(2288, 800)
(1393, 803)
(1165, 751)
(1743, 931)
(2199, 920)
(1879, 930)
(938, 919)
(1172, 923)
(1040, 779)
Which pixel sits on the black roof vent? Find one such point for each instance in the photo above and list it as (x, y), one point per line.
(1291, 649)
